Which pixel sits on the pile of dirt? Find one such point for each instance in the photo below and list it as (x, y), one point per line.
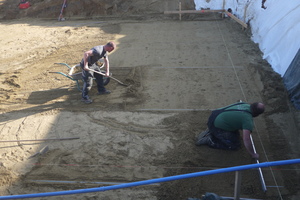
(88, 8)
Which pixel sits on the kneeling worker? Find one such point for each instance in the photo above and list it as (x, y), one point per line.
(224, 125)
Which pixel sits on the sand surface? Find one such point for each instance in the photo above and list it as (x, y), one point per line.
(176, 71)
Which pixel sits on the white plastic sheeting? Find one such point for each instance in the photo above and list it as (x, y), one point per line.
(276, 29)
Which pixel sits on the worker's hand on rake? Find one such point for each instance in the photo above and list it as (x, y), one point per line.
(86, 69)
(98, 72)
(108, 76)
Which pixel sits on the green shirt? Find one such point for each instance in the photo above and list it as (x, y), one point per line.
(235, 120)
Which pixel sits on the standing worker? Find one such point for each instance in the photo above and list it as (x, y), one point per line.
(88, 62)
(224, 125)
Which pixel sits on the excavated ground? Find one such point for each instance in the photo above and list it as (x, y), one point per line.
(176, 71)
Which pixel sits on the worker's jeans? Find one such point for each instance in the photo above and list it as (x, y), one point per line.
(88, 77)
(225, 139)
(222, 139)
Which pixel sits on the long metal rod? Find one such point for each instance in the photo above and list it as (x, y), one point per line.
(262, 180)
(72, 138)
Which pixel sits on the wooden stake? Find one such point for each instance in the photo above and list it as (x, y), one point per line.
(180, 11)
(223, 7)
(237, 186)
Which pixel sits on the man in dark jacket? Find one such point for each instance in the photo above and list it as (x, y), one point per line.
(224, 125)
(88, 62)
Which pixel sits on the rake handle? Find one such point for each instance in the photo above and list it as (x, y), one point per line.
(107, 76)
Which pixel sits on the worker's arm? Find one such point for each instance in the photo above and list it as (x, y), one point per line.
(86, 55)
(248, 143)
(106, 62)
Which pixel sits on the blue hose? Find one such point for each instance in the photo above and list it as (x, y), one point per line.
(158, 180)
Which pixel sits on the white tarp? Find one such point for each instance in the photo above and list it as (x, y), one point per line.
(276, 29)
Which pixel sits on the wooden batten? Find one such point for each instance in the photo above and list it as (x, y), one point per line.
(180, 12)
(192, 11)
(237, 19)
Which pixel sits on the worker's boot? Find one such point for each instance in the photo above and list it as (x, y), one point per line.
(204, 138)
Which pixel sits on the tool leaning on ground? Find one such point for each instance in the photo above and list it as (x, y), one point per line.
(109, 77)
(64, 5)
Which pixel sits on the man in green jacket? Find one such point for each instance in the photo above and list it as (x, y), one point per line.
(224, 125)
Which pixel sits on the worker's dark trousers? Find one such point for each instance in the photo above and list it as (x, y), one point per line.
(222, 139)
(88, 77)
